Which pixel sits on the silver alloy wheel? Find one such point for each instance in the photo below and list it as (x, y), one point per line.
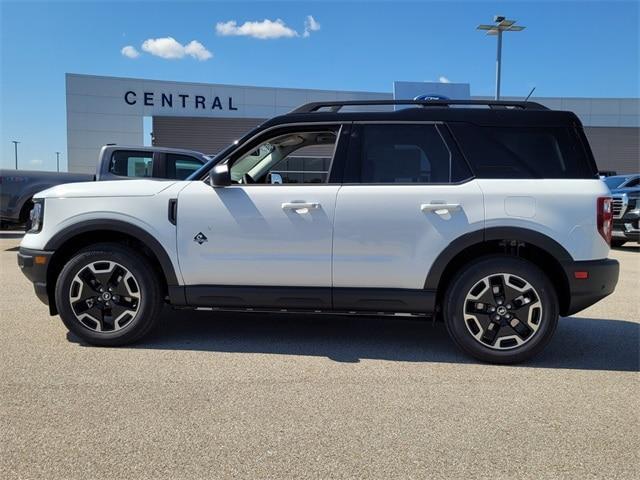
(104, 296)
(502, 311)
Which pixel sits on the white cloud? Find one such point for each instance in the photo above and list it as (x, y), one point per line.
(197, 50)
(264, 30)
(443, 79)
(130, 52)
(310, 25)
(170, 48)
(35, 162)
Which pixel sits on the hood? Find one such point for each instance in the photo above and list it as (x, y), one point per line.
(113, 188)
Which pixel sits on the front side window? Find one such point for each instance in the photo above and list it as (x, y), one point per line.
(399, 153)
(292, 157)
(131, 164)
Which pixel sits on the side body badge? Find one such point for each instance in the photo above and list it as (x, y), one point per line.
(200, 238)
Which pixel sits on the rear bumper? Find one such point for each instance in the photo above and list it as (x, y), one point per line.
(34, 265)
(600, 282)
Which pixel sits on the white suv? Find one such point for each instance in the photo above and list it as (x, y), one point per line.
(488, 215)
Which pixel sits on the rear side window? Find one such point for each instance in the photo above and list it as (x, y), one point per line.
(524, 152)
(131, 164)
(180, 167)
(401, 154)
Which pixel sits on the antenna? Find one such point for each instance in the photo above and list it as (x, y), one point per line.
(529, 94)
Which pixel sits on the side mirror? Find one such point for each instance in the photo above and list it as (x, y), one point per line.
(219, 176)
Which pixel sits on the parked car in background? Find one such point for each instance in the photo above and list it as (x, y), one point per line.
(625, 190)
(115, 162)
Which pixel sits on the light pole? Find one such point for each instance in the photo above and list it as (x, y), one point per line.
(15, 145)
(58, 161)
(501, 24)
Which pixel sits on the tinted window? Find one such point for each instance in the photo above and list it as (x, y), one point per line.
(181, 166)
(131, 164)
(401, 153)
(524, 152)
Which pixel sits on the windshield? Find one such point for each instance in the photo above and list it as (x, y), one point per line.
(614, 182)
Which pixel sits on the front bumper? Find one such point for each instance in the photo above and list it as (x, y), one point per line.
(35, 264)
(601, 280)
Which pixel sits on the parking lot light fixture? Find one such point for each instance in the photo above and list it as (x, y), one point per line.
(501, 24)
(15, 145)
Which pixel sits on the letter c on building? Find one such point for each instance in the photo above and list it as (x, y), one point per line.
(126, 98)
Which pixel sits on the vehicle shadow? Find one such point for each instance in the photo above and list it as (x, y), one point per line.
(579, 343)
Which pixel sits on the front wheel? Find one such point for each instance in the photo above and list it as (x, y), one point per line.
(501, 309)
(108, 295)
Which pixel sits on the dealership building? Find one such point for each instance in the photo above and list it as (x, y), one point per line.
(207, 117)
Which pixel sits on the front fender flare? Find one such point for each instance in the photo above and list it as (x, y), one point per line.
(119, 226)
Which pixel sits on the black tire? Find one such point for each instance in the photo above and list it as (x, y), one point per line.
(617, 243)
(456, 308)
(148, 304)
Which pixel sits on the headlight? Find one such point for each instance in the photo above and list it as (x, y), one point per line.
(633, 203)
(35, 217)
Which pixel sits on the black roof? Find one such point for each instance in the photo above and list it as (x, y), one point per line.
(498, 113)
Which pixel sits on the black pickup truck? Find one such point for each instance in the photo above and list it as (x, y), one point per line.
(115, 162)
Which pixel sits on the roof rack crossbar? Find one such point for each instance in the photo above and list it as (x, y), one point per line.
(493, 104)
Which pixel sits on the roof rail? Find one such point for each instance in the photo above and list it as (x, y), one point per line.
(492, 104)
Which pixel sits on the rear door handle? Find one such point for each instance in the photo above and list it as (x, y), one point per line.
(299, 205)
(440, 208)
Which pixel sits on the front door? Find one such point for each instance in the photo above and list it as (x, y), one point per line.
(265, 240)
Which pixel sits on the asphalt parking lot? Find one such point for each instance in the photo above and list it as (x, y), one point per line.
(282, 396)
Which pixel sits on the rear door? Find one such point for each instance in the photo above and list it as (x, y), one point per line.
(407, 194)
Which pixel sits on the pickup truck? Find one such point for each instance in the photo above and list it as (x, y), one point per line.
(115, 162)
(625, 191)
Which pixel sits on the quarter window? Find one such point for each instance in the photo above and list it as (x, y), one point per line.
(524, 152)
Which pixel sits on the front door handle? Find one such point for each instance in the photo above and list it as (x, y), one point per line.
(440, 208)
(299, 205)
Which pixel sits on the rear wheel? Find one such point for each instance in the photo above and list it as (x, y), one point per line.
(108, 295)
(501, 309)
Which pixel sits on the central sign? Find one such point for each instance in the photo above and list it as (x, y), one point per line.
(180, 100)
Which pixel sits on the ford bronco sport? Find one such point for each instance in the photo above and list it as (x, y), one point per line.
(487, 215)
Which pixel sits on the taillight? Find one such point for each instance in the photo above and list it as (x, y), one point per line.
(605, 218)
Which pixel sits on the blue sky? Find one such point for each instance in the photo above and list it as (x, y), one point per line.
(569, 48)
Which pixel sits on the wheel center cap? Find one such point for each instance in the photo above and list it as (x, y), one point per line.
(501, 310)
(106, 296)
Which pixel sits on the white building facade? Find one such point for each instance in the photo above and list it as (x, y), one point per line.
(207, 117)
